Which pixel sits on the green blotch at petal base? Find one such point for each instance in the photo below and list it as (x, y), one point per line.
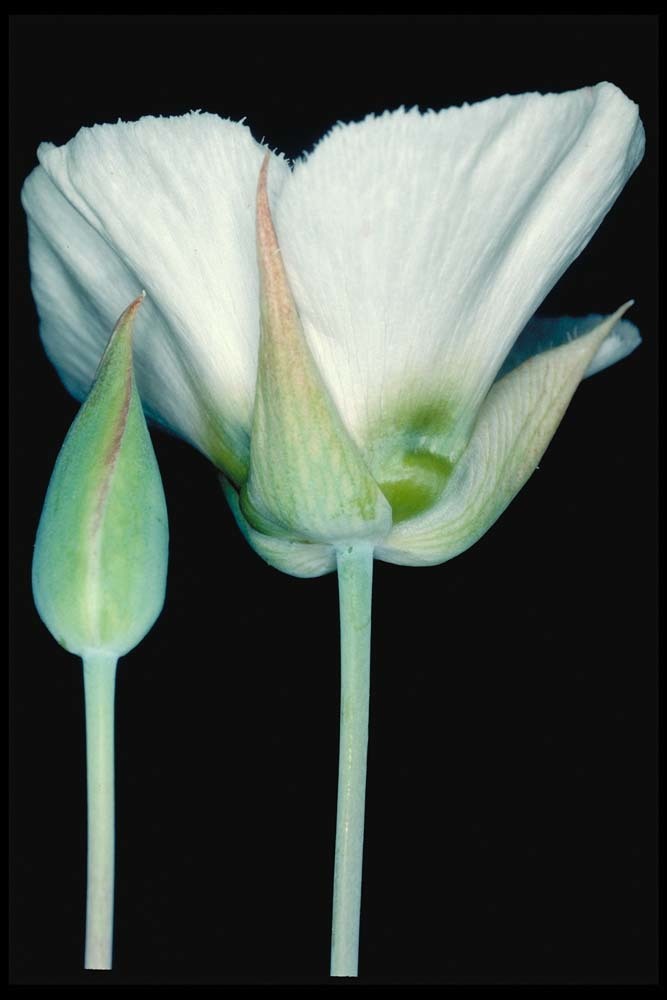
(405, 456)
(426, 475)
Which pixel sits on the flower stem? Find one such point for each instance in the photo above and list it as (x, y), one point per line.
(99, 679)
(355, 583)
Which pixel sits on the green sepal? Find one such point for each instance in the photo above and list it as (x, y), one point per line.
(515, 424)
(308, 479)
(301, 559)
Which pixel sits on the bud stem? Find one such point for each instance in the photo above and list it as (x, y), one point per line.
(99, 679)
(355, 583)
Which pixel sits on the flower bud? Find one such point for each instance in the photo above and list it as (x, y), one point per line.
(100, 563)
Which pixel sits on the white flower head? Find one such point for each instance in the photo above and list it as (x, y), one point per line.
(393, 386)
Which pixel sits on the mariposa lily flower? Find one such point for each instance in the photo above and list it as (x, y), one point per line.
(351, 344)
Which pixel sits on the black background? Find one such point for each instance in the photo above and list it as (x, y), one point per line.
(511, 819)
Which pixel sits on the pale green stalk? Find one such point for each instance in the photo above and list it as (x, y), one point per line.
(355, 583)
(99, 678)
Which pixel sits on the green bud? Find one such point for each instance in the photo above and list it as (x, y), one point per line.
(100, 563)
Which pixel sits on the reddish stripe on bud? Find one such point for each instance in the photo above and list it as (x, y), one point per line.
(123, 328)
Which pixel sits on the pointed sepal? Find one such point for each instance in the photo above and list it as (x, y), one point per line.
(518, 419)
(301, 559)
(307, 479)
(100, 561)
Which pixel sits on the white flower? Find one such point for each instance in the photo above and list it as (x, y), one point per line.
(416, 247)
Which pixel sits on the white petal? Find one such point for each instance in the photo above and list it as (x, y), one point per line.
(418, 246)
(77, 310)
(516, 423)
(545, 333)
(165, 205)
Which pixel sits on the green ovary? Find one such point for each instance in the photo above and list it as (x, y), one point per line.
(407, 462)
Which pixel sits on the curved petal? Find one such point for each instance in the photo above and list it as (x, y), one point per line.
(166, 205)
(419, 245)
(302, 559)
(76, 290)
(516, 423)
(545, 333)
